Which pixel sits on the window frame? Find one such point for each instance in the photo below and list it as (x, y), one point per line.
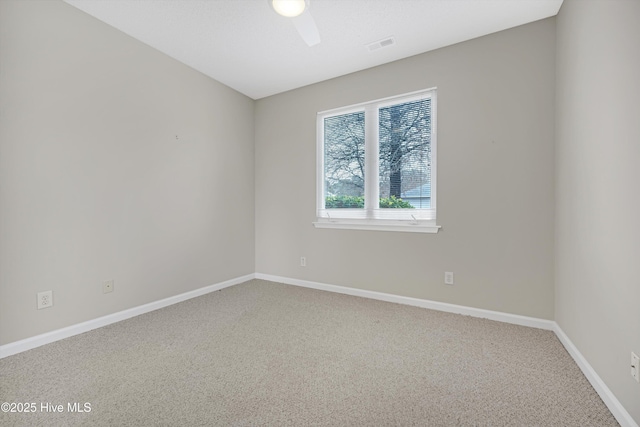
(371, 218)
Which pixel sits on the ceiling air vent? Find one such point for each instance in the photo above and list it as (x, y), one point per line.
(389, 41)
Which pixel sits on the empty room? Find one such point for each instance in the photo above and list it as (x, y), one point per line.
(320, 212)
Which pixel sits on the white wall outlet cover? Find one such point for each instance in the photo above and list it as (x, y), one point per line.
(635, 366)
(45, 299)
(448, 278)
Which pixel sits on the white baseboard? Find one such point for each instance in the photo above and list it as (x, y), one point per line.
(616, 408)
(433, 305)
(622, 416)
(49, 337)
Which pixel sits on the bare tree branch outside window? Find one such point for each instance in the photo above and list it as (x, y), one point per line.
(404, 154)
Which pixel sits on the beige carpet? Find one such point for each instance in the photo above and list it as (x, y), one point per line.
(263, 353)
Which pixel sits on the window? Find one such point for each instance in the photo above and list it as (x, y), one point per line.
(377, 165)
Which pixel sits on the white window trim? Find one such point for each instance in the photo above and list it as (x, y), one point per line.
(419, 221)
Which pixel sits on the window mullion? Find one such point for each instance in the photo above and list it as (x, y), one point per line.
(320, 197)
(371, 187)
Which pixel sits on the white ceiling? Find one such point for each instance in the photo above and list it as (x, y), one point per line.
(247, 46)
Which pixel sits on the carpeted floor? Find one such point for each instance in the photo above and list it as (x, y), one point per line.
(263, 353)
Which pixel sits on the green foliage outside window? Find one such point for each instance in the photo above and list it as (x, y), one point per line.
(394, 202)
(357, 202)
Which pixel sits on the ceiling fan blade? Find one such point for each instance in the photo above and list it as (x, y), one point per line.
(306, 26)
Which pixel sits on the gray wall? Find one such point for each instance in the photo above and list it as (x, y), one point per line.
(94, 184)
(598, 187)
(495, 179)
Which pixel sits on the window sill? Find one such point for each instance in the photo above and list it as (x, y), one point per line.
(378, 225)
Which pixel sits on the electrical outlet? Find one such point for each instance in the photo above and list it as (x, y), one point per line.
(45, 299)
(303, 261)
(448, 278)
(635, 367)
(107, 286)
